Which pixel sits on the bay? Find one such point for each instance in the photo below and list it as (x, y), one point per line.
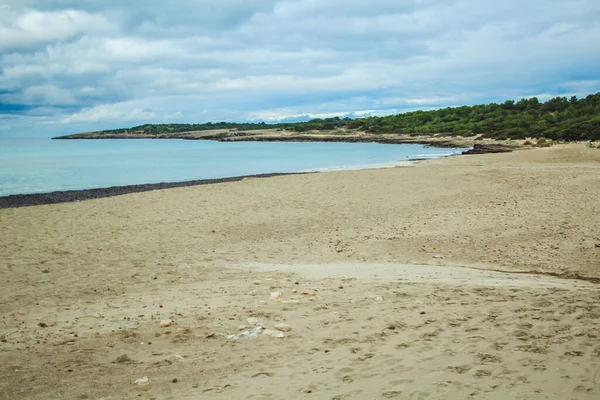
(30, 166)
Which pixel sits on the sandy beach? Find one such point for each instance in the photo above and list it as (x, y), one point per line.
(463, 277)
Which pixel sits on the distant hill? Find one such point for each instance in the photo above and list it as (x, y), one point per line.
(560, 118)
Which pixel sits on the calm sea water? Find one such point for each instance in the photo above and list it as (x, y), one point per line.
(44, 165)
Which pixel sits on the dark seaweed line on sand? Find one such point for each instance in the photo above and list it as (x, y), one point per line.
(69, 196)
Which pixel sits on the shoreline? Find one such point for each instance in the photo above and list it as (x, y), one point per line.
(443, 143)
(272, 135)
(75, 195)
(71, 196)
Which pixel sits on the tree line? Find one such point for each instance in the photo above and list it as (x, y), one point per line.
(559, 118)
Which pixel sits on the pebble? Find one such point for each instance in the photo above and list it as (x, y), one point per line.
(165, 323)
(283, 327)
(253, 321)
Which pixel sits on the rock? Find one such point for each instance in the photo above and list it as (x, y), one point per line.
(142, 381)
(283, 327)
(485, 148)
(437, 256)
(122, 359)
(42, 325)
(253, 321)
(165, 323)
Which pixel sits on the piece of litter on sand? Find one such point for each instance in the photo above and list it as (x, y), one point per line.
(274, 333)
(142, 381)
(275, 295)
(247, 334)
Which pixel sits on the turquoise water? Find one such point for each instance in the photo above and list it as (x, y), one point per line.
(44, 165)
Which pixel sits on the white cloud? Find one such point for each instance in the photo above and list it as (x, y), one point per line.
(109, 112)
(35, 27)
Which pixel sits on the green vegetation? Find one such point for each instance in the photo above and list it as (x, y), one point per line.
(558, 119)
(161, 129)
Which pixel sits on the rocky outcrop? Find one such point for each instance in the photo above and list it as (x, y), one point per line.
(485, 148)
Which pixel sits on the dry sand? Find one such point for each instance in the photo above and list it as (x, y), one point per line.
(397, 264)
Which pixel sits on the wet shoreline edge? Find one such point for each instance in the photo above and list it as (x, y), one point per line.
(70, 196)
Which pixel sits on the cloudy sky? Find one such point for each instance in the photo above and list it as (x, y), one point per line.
(76, 65)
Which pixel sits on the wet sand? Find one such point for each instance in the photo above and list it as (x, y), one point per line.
(407, 282)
